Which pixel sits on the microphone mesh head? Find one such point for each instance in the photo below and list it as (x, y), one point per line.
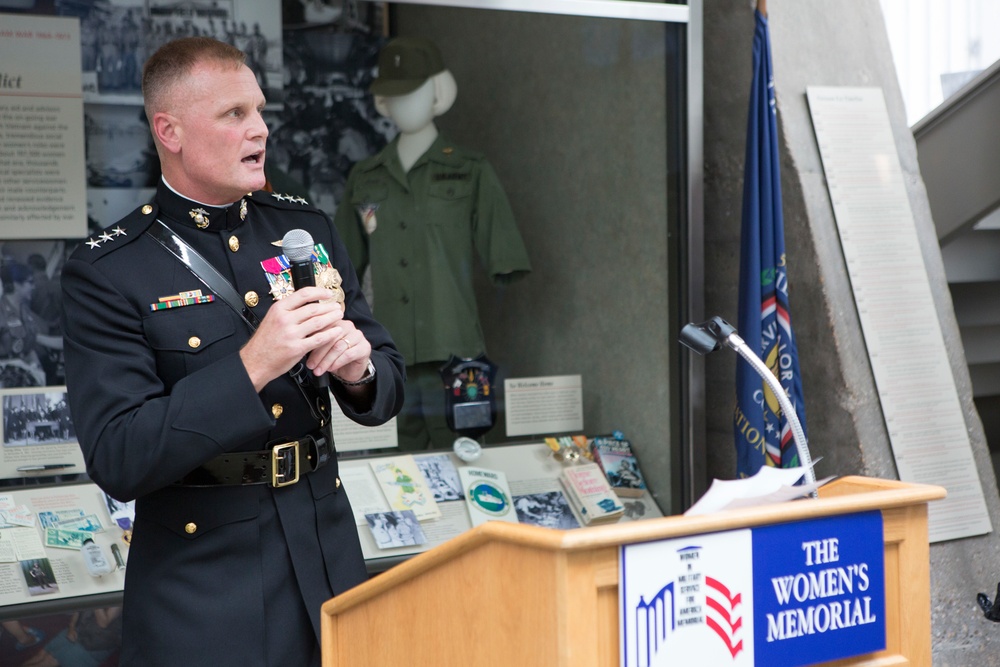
(297, 245)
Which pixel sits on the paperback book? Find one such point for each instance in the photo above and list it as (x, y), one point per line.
(615, 457)
(590, 494)
(487, 495)
(404, 486)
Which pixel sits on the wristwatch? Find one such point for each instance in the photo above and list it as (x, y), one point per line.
(365, 379)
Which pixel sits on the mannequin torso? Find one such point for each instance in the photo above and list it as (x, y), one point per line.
(412, 145)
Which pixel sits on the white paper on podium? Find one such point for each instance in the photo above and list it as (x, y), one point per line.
(768, 486)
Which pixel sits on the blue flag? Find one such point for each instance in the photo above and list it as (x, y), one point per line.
(763, 435)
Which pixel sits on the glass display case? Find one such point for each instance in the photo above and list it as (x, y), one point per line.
(588, 113)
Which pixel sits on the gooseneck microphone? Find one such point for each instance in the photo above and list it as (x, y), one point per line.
(297, 245)
(710, 336)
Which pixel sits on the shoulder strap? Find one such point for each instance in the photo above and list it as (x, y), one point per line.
(202, 270)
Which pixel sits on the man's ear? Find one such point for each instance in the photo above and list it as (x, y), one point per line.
(166, 127)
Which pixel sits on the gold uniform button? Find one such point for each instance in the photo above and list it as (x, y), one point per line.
(234, 243)
(251, 299)
(194, 341)
(147, 209)
(338, 482)
(277, 409)
(190, 528)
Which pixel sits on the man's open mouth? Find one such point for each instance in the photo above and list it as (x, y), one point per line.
(254, 158)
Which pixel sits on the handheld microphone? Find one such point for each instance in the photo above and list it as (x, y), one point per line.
(297, 245)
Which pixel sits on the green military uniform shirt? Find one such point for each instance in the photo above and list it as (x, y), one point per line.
(417, 230)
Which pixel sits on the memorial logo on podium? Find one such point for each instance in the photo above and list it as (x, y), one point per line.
(781, 596)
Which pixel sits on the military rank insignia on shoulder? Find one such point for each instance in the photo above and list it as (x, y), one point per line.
(118, 235)
(106, 236)
(289, 198)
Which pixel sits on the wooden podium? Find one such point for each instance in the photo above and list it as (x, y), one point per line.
(511, 594)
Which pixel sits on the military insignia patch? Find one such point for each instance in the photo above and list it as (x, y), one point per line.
(470, 402)
(367, 214)
(200, 217)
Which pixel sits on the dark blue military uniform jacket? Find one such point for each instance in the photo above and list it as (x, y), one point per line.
(230, 575)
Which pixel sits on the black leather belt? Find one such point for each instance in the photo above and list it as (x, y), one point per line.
(281, 465)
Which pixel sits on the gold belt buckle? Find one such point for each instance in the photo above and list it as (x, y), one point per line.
(285, 457)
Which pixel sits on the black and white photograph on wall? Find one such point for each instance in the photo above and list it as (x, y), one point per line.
(39, 440)
(117, 36)
(442, 477)
(328, 121)
(395, 529)
(122, 166)
(119, 147)
(30, 307)
(36, 419)
(106, 206)
(549, 510)
(348, 15)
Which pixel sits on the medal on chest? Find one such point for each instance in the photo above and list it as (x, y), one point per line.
(279, 276)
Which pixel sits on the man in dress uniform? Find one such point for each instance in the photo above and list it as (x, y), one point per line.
(209, 410)
(417, 212)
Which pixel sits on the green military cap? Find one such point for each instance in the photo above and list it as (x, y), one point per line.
(404, 64)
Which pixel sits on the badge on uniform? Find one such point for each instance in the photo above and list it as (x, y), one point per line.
(279, 275)
(470, 402)
(188, 298)
(367, 214)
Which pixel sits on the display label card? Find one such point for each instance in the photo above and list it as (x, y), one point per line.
(8, 551)
(540, 405)
(363, 490)
(353, 437)
(785, 595)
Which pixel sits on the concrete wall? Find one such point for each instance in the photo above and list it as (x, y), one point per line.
(816, 42)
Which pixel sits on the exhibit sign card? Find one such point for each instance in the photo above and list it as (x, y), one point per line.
(906, 348)
(42, 168)
(540, 405)
(353, 437)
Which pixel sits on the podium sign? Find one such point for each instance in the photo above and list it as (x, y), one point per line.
(781, 595)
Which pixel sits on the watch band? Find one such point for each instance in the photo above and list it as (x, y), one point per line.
(365, 379)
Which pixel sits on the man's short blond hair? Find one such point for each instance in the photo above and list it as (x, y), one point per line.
(174, 60)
